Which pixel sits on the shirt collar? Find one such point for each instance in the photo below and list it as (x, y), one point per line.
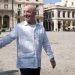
(26, 24)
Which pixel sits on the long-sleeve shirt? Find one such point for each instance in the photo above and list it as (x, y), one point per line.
(29, 39)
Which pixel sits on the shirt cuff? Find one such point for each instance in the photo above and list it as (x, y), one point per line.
(51, 56)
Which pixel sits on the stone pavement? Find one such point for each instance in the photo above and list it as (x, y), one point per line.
(63, 45)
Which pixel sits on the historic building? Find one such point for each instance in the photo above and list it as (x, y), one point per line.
(68, 3)
(59, 17)
(11, 11)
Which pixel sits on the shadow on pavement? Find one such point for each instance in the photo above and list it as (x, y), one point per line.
(10, 72)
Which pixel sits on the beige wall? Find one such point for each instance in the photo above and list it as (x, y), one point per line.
(8, 11)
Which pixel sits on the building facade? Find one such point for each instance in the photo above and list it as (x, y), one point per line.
(68, 3)
(59, 18)
(11, 11)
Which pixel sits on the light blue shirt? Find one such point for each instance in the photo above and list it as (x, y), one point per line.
(30, 39)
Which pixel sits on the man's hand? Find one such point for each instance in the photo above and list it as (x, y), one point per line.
(53, 62)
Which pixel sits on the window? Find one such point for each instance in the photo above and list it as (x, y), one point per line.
(64, 14)
(5, 0)
(37, 0)
(68, 14)
(52, 14)
(72, 3)
(5, 6)
(37, 6)
(19, 12)
(18, 20)
(19, 5)
(59, 25)
(49, 14)
(73, 14)
(58, 13)
(38, 20)
(46, 15)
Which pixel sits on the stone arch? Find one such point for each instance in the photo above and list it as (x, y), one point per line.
(6, 21)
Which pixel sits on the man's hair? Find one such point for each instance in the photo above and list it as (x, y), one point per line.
(32, 7)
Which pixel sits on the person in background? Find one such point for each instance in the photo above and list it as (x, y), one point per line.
(30, 37)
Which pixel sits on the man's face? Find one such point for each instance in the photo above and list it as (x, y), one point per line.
(29, 14)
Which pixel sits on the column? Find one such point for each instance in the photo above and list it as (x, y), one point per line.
(55, 13)
(55, 25)
(61, 26)
(71, 15)
(10, 22)
(66, 14)
(71, 24)
(2, 20)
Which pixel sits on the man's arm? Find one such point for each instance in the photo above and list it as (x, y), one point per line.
(8, 38)
(48, 49)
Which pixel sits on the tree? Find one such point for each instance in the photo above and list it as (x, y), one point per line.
(66, 25)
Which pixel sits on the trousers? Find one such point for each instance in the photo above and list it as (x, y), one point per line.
(30, 71)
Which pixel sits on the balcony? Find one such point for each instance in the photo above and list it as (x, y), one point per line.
(18, 15)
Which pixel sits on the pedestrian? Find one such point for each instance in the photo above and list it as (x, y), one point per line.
(30, 37)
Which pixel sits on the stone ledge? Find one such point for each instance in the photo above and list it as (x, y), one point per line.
(10, 72)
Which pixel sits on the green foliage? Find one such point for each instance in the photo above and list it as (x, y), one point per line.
(66, 24)
(2, 28)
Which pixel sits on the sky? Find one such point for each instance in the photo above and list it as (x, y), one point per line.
(51, 1)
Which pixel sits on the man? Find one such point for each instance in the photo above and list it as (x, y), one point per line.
(30, 37)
